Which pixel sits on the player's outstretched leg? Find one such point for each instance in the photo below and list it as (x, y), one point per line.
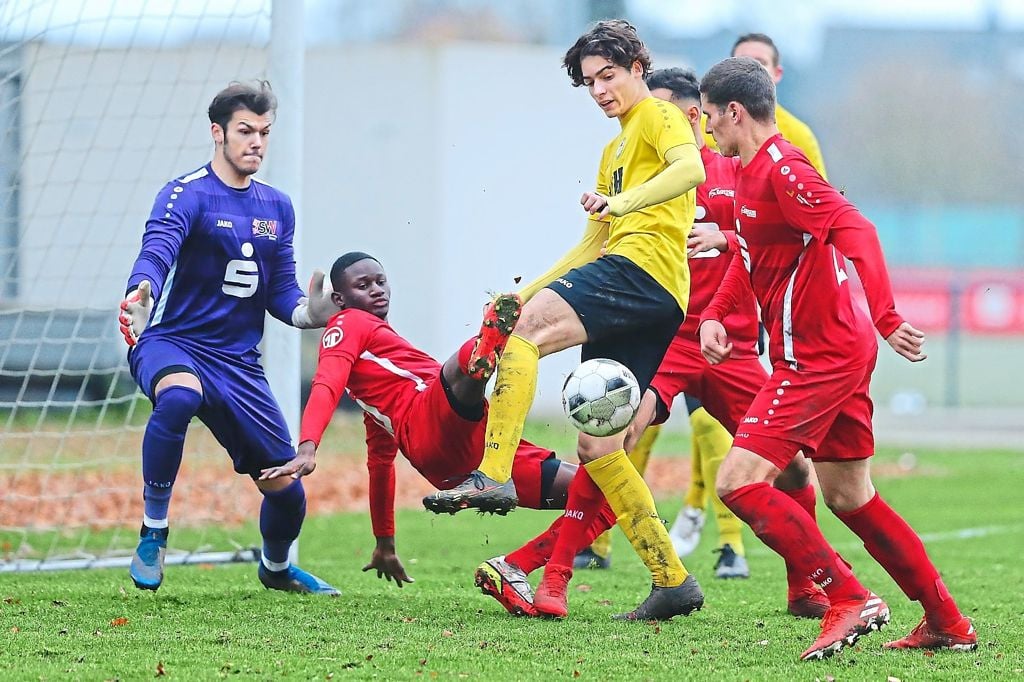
(479, 491)
(281, 516)
(162, 445)
(507, 583)
(500, 319)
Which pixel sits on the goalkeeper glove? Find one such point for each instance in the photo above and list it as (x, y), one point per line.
(315, 309)
(135, 311)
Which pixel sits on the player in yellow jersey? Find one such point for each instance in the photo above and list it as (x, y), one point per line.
(625, 305)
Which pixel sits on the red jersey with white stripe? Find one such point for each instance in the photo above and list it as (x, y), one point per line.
(707, 269)
(380, 370)
(793, 230)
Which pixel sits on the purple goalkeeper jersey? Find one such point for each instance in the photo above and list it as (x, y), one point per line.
(218, 257)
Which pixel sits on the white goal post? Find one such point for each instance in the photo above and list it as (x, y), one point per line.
(101, 103)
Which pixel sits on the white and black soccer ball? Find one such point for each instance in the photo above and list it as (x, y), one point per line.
(601, 397)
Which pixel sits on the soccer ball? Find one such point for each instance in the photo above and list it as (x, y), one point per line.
(601, 397)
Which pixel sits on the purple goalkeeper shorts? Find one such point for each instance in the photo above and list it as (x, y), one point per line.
(238, 407)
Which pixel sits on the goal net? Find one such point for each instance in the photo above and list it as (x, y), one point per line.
(101, 103)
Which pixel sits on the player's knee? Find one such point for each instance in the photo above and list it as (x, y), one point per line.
(845, 499)
(175, 406)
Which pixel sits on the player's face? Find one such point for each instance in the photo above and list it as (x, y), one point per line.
(365, 287)
(761, 53)
(721, 125)
(615, 88)
(244, 142)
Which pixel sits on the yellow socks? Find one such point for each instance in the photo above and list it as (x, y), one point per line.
(637, 516)
(695, 497)
(511, 399)
(713, 443)
(640, 456)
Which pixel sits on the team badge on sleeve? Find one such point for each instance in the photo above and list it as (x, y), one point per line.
(332, 337)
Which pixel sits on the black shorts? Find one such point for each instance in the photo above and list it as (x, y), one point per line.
(628, 316)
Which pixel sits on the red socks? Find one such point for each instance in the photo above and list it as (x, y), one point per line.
(782, 524)
(581, 509)
(807, 500)
(899, 550)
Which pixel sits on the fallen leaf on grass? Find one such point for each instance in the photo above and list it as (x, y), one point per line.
(369, 657)
(118, 622)
(58, 602)
(583, 588)
(11, 600)
(575, 673)
(929, 654)
(447, 633)
(15, 629)
(63, 631)
(407, 619)
(423, 661)
(764, 642)
(605, 602)
(160, 672)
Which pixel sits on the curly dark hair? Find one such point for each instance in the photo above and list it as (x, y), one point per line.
(614, 39)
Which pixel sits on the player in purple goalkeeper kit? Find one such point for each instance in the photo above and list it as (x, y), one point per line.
(216, 256)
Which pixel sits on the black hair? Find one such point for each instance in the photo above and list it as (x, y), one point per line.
(615, 40)
(343, 263)
(681, 82)
(255, 97)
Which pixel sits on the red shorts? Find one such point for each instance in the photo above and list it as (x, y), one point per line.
(725, 390)
(445, 447)
(828, 416)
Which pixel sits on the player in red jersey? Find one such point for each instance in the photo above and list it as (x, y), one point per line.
(794, 230)
(434, 415)
(725, 390)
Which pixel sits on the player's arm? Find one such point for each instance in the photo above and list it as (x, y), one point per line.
(168, 226)
(714, 340)
(588, 248)
(684, 171)
(286, 301)
(856, 238)
(810, 204)
(381, 450)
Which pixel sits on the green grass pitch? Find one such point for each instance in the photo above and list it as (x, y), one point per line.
(217, 622)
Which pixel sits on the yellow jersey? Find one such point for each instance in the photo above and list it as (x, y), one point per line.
(653, 238)
(796, 133)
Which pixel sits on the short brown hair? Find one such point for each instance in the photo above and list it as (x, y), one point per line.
(756, 38)
(615, 40)
(743, 80)
(255, 97)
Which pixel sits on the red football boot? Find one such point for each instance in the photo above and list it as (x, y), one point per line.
(810, 602)
(551, 599)
(845, 622)
(507, 583)
(960, 637)
(499, 320)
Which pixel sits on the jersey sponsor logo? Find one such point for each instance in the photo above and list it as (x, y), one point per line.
(564, 282)
(264, 228)
(749, 212)
(332, 337)
(773, 151)
(617, 181)
(720, 191)
(221, 222)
